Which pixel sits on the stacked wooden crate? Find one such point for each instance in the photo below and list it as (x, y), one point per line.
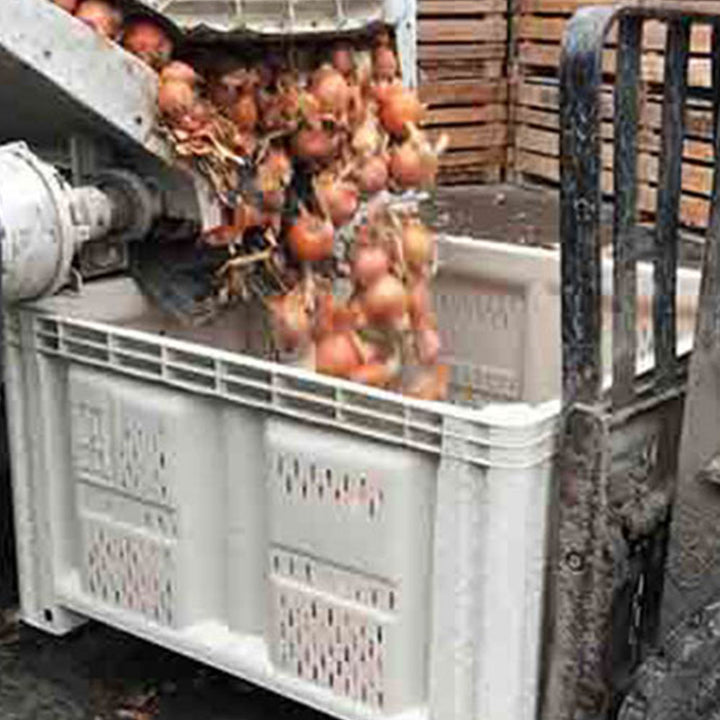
(538, 26)
(462, 54)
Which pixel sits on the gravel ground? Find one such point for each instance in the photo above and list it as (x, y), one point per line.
(97, 673)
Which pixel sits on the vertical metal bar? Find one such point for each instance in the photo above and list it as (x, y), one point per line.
(580, 204)
(668, 197)
(625, 210)
(716, 77)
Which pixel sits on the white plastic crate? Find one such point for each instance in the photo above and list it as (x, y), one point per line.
(365, 553)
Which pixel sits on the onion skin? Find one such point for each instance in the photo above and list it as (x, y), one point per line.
(339, 199)
(331, 91)
(428, 346)
(367, 139)
(418, 244)
(419, 304)
(386, 64)
(290, 320)
(373, 175)
(400, 107)
(175, 98)
(375, 374)
(314, 144)
(342, 59)
(370, 264)
(410, 167)
(406, 166)
(149, 42)
(311, 239)
(429, 384)
(102, 17)
(337, 355)
(244, 113)
(180, 72)
(384, 301)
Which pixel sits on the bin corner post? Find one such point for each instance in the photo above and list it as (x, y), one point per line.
(576, 677)
(457, 574)
(38, 601)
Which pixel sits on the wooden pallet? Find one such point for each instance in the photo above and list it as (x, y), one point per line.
(462, 57)
(538, 27)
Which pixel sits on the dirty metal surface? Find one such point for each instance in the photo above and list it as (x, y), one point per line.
(59, 78)
(618, 463)
(682, 682)
(694, 559)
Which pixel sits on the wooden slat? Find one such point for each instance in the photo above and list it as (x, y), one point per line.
(463, 92)
(694, 211)
(696, 178)
(551, 29)
(698, 121)
(472, 158)
(540, 55)
(460, 51)
(460, 7)
(558, 7)
(468, 69)
(468, 137)
(491, 29)
(466, 115)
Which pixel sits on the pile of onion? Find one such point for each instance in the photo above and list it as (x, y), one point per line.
(319, 154)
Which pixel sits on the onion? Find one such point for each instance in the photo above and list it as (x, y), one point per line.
(428, 345)
(384, 300)
(311, 238)
(290, 320)
(386, 64)
(406, 166)
(342, 59)
(418, 244)
(314, 144)
(382, 38)
(244, 113)
(419, 303)
(180, 72)
(375, 374)
(367, 139)
(100, 16)
(274, 173)
(336, 354)
(338, 198)
(331, 90)
(175, 98)
(373, 175)
(411, 167)
(69, 5)
(382, 90)
(196, 118)
(371, 263)
(399, 107)
(149, 42)
(273, 200)
(429, 383)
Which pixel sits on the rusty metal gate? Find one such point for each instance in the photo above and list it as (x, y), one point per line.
(618, 462)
